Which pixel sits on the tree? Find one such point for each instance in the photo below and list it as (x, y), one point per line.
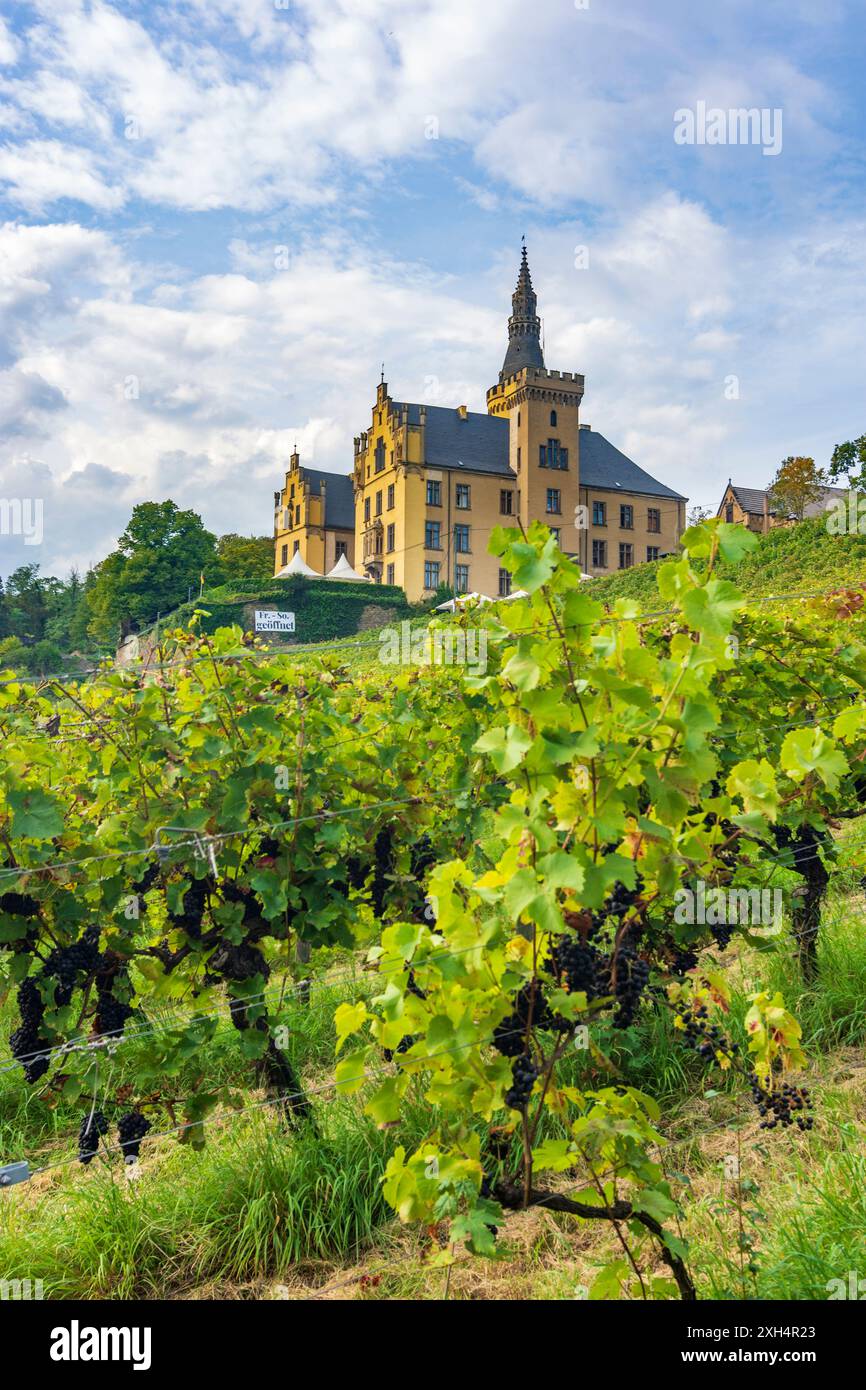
(26, 605)
(797, 484)
(241, 559)
(850, 459)
(697, 514)
(161, 555)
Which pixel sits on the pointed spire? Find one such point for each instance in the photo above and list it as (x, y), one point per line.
(524, 325)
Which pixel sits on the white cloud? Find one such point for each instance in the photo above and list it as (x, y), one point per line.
(41, 172)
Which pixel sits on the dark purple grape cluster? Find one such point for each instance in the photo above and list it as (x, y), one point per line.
(632, 977)
(66, 964)
(580, 967)
(147, 880)
(91, 1131)
(530, 1010)
(682, 961)
(785, 1105)
(194, 903)
(27, 1042)
(722, 934)
(19, 905)
(524, 1074)
(383, 854)
(131, 1129)
(111, 1014)
(706, 1038)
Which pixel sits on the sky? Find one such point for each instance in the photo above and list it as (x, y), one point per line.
(218, 218)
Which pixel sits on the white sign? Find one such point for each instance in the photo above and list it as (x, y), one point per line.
(267, 620)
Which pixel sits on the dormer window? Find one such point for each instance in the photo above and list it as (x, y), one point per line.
(380, 455)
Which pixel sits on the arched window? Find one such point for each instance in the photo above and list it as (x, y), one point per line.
(553, 417)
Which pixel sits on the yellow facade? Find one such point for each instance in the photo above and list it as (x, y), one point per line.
(431, 483)
(301, 521)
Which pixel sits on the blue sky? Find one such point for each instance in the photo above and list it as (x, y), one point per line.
(156, 340)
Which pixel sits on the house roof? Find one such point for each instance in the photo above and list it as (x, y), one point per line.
(339, 496)
(602, 465)
(751, 499)
(477, 442)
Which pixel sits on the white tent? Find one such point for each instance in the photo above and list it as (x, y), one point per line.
(450, 605)
(518, 593)
(343, 570)
(298, 565)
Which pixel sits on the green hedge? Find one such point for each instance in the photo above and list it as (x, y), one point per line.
(323, 610)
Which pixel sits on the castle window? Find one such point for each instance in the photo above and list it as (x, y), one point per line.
(626, 517)
(366, 509)
(461, 579)
(506, 502)
(296, 547)
(652, 552)
(729, 512)
(462, 496)
(342, 549)
(284, 555)
(552, 455)
(504, 583)
(380, 455)
(378, 504)
(461, 539)
(599, 513)
(518, 456)
(554, 499)
(553, 417)
(556, 533)
(434, 494)
(431, 574)
(626, 556)
(599, 555)
(390, 497)
(391, 534)
(654, 520)
(431, 535)
(389, 573)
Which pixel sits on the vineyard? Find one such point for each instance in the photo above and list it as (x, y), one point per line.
(323, 976)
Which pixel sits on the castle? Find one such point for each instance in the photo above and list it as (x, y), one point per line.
(430, 483)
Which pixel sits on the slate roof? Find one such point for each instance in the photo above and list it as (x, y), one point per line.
(479, 443)
(602, 465)
(339, 496)
(751, 499)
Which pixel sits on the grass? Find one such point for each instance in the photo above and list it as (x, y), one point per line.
(267, 1212)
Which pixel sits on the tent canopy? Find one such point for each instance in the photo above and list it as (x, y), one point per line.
(343, 570)
(298, 565)
(450, 605)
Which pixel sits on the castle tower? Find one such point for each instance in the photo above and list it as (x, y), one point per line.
(542, 408)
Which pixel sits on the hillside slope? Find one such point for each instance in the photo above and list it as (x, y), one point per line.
(798, 559)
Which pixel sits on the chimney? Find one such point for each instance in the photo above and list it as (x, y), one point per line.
(462, 412)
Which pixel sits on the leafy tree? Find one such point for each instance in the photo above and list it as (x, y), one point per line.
(243, 558)
(797, 484)
(161, 554)
(850, 459)
(28, 611)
